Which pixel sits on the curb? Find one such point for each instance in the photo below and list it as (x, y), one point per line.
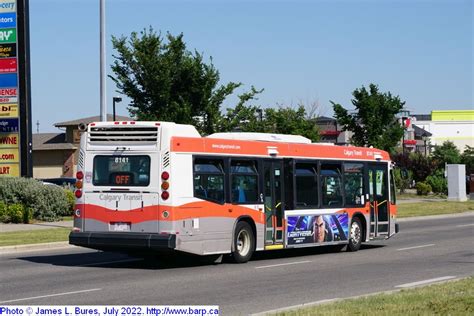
(428, 217)
(35, 247)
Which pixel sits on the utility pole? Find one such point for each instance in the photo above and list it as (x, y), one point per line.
(103, 101)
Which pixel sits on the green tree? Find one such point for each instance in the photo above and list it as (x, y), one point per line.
(420, 165)
(167, 82)
(467, 158)
(374, 122)
(287, 120)
(281, 120)
(447, 153)
(243, 117)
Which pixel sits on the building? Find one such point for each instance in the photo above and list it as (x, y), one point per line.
(456, 126)
(331, 132)
(55, 154)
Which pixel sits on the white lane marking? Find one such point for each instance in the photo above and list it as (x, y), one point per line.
(416, 247)
(108, 262)
(425, 281)
(282, 264)
(288, 308)
(50, 295)
(465, 225)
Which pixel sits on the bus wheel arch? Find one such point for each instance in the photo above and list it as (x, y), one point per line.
(244, 240)
(357, 232)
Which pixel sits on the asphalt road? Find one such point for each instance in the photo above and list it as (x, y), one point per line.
(424, 250)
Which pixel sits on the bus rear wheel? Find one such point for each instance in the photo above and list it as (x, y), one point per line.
(244, 243)
(355, 235)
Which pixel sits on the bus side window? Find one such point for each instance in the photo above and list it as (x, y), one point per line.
(331, 185)
(244, 182)
(354, 183)
(209, 179)
(306, 181)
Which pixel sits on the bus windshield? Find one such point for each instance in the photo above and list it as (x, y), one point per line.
(121, 171)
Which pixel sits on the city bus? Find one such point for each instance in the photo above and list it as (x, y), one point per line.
(161, 187)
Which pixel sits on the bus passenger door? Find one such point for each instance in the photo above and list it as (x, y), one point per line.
(273, 204)
(378, 199)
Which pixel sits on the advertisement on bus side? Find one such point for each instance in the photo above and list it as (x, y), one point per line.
(310, 229)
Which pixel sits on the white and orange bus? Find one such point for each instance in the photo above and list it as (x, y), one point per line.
(161, 186)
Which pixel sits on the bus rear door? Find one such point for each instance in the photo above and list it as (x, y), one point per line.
(378, 198)
(273, 203)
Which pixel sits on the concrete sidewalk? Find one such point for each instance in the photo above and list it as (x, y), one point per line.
(35, 226)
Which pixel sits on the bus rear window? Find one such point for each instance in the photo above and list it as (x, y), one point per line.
(121, 171)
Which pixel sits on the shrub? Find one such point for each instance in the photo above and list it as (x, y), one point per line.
(71, 201)
(44, 202)
(51, 204)
(402, 182)
(423, 188)
(438, 182)
(27, 215)
(4, 217)
(15, 211)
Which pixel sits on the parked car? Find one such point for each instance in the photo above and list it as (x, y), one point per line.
(64, 182)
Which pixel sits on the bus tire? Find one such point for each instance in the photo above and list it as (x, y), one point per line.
(355, 235)
(244, 243)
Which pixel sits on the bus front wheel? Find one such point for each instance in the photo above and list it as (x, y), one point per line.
(244, 243)
(355, 239)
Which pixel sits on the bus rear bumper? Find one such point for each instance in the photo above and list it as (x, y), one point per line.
(123, 241)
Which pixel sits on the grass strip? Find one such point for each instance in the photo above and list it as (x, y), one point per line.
(433, 208)
(34, 236)
(450, 298)
(409, 196)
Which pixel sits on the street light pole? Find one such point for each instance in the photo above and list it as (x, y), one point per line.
(425, 139)
(115, 100)
(103, 101)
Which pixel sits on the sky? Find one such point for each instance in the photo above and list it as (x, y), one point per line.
(309, 52)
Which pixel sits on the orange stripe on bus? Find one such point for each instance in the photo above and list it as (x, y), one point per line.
(201, 209)
(260, 148)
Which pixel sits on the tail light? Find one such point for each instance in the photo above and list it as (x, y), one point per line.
(78, 185)
(165, 185)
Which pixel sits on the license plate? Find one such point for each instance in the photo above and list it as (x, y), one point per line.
(121, 227)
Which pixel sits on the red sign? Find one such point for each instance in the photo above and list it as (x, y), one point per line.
(8, 92)
(8, 65)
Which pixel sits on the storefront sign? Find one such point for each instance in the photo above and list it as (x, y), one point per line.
(9, 170)
(9, 141)
(9, 125)
(8, 65)
(8, 80)
(8, 110)
(9, 92)
(7, 50)
(8, 35)
(9, 100)
(8, 19)
(7, 6)
(15, 98)
(9, 155)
